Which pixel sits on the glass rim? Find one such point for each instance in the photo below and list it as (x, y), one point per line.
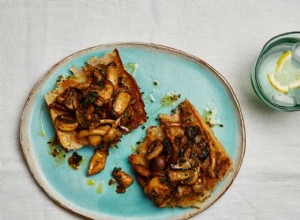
(257, 83)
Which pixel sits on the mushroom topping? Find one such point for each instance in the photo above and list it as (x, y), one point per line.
(68, 101)
(98, 76)
(111, 135)
(98, 161)
(179, 175)
(66, 123)
(112, 75)
(122, 177)
(83, 85)
(157, 188)
(121, 103)
(80, 118)
(154, 149)
(95, 140)
(141, 169)
(102, 130)
(194, 176)
(61, 98)
(106, 90)
(157, 164)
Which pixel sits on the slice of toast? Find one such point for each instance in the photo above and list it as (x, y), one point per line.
(102, 99)
(180, 162)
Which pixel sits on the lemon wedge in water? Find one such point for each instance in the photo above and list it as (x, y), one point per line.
(285, 77)
(277, 83)
(284, 61)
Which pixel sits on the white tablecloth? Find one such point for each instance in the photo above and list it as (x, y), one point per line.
(34, 35)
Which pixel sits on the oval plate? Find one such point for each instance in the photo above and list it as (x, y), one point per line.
(176, 72)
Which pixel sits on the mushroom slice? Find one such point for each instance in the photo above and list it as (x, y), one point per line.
(98, 75)
(83, 85)
(112, 74)
(179, 175)
(69, 99)
(194, 177)
(141, 169)
(80, 118)
(66, 123)
(95, 140)
(61, 97)
(98, 161)
(102, 130)
(107, 121)
(112, 135)
(155, 149)
(155, 187)
(122, 177)
(121, 103)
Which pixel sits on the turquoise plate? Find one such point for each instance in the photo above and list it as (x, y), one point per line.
(175, 71)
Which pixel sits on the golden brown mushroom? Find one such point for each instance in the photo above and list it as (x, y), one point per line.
(98, 161)
(66, 123)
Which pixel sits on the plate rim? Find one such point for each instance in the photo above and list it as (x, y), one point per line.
(176, 52)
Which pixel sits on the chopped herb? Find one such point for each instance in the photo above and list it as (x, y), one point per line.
(90, 98)
(155, 82)
(138, 142)
(102, 85)
(143, 127)
(182, 161)
(142, 93)
(163, 180)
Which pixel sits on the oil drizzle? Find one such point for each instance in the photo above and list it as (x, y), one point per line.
(100, 188)
(90, 182)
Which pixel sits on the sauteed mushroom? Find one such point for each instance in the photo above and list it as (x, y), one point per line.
(98, 161)
(102, 130)
(121, 103)
(66, 123)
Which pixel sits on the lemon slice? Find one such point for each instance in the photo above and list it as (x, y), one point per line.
(294, 79)
(284, 61)
(275, 82)
(285, 80)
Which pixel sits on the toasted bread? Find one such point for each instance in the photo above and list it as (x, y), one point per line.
(112, 90)
(180, 162)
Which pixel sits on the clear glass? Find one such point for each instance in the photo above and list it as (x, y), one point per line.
(266, 63)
